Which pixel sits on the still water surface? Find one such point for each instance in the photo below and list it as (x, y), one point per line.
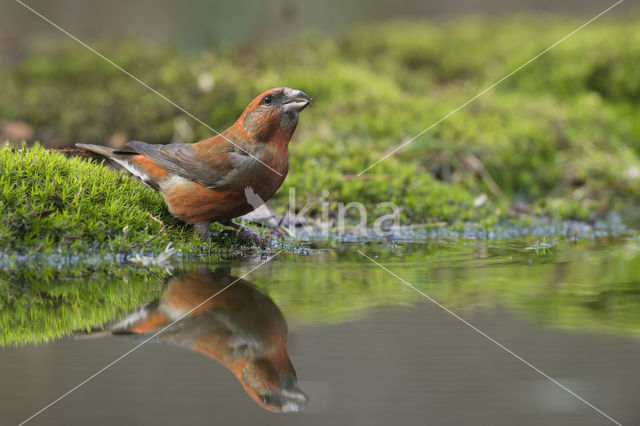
(335, 339)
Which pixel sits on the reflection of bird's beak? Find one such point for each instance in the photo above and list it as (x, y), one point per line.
(296, 101)
(284, 400)
(293, 399)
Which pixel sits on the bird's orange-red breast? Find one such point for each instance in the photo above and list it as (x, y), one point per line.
(239, 327)
(208, 181)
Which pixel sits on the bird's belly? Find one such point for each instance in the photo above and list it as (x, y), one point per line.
(194, 203)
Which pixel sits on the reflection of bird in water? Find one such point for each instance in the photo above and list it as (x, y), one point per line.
(240, 327)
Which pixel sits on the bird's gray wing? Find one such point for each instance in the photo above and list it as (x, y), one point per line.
(183, 160)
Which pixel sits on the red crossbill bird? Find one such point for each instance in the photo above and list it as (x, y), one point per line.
(208, 181)
(240, 327)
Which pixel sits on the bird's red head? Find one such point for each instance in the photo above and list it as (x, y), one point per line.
(274, 114)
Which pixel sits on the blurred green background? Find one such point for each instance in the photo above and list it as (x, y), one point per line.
(559, 139)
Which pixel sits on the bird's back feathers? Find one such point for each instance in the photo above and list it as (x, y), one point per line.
(183, 160)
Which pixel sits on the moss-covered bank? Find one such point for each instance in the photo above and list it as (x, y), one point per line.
(55, 205)
(560, 138)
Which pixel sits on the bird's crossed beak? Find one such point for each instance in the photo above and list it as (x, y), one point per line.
(296, 101)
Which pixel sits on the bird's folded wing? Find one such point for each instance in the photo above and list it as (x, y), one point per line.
(183, 160)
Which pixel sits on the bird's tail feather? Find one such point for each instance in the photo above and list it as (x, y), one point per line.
(105, 150)
(123, 326)
(121, 159)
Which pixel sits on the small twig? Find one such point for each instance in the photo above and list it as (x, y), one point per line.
(75, 199)
(473, 164)
(365, 176)
(144, 243)
(286, 212)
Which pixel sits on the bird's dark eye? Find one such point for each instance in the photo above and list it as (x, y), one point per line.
(267, 100)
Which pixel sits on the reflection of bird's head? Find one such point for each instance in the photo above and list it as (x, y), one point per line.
(274, 113)
(273, 387)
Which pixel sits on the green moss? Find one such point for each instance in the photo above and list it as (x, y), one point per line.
(562, 134)
(52, 204)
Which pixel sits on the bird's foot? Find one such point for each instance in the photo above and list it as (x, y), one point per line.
(247, 234)
(202, 229)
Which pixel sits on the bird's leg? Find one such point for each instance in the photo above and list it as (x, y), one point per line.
(247, 234)
(203, 231)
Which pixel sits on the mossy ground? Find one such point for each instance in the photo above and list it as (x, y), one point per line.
(53, 204)
(560, 137)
